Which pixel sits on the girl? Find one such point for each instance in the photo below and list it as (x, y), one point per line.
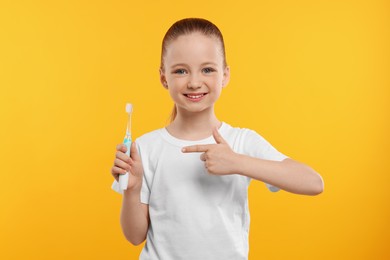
(187, 190)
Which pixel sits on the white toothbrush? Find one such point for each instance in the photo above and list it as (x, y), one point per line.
(124, 178)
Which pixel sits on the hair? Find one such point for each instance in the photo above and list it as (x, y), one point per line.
(185, 27)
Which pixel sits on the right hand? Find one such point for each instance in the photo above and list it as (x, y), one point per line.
(123, 163)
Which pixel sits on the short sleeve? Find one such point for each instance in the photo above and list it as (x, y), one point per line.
(147, 179)
(258, 147)
(145, 191)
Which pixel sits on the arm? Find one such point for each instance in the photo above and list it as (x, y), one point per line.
(134, 214)
(288, 174)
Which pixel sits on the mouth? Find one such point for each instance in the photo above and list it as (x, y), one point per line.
(195, 96)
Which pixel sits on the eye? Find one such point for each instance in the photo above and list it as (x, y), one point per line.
(208, 70)
(180, 71)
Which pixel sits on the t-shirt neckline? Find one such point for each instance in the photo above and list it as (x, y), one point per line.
(180, 142)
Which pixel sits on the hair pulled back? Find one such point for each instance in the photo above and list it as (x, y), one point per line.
(190, 25)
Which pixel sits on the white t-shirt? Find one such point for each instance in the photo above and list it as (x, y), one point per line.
(194, 214)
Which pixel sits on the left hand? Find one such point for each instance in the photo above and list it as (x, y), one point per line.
(219, 158)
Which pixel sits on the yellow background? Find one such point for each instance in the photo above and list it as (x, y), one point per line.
(311, 76)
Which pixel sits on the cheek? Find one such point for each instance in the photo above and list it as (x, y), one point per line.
(172, 91)
(215, 82)
(177, 81)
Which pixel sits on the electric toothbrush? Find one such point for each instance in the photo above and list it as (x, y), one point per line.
(124, 178)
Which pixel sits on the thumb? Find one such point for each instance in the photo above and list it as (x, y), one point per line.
(218, 137)
(134, 152)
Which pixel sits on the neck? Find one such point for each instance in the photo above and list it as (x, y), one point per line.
(194, 126)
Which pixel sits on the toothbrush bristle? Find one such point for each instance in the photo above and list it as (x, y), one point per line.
(129, 108)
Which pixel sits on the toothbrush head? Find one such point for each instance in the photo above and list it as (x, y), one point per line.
(129, 108)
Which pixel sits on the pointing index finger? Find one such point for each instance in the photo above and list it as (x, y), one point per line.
(195, 149)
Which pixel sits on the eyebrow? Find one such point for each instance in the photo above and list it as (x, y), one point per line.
(184, 65)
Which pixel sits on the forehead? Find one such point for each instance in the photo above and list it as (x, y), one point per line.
(194, 47)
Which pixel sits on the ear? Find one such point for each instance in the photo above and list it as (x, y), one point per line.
(163, 79)
(226, 76)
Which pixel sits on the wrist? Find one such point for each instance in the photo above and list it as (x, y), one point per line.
(238, 160)
(133, 190)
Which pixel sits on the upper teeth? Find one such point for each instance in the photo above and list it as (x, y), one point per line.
(195, 96)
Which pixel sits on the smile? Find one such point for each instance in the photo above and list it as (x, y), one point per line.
(195, 96)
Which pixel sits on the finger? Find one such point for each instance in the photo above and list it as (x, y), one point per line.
(122, 156)
(203, 157)
(121, 164)
(205, 165)
(117, 171)
(218, 137)
(121, 147)
(134, 152)
(195, 149)
(116, 177)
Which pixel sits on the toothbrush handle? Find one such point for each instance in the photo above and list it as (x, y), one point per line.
(124, 178)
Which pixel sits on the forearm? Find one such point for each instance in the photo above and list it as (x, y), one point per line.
(134, 221)
(288, 174)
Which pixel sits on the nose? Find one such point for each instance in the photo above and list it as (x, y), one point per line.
(195, 82)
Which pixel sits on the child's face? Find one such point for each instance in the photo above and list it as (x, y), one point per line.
(194, 73)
